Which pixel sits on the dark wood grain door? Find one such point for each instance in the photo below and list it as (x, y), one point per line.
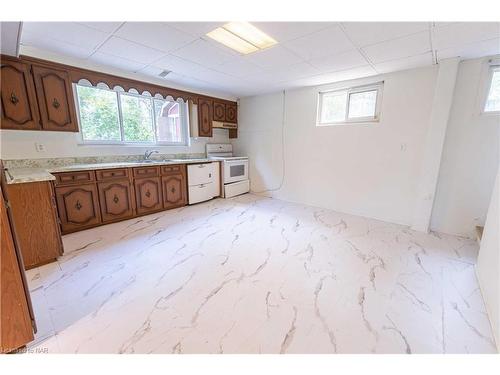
(115, 199)
(19, 106)
(78, 207)
(174, 191)
(219, 111)
(55, 99)
(204, 118)
(148, 194)
(231, 113)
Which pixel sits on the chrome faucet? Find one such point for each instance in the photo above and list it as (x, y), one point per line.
(148, 153)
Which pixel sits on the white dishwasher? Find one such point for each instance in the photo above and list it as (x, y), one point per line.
(203, 182)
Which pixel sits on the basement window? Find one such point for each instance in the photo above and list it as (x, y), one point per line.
(353, 105)
(127, 118)
(492, 104)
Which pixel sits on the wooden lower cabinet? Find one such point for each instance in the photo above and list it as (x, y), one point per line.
(16, 328)
(35, 219)
(78, 207)
(148, 194)
(116, 200)
(174, 190)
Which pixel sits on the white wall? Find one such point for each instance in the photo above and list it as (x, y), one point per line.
(488, 264)
(20, 144)
(470, 156)
(370, 170)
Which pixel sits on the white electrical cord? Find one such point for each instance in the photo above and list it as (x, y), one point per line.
(282, 150)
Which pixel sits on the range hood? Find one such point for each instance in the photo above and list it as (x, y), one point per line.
(224, 125)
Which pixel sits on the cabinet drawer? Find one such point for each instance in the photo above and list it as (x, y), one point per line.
(111, 174)
(146, 172)
(172, 169)
(200, 193)
(69, 178)
(200, 174)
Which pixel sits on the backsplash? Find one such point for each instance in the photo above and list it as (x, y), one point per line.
(60, 162)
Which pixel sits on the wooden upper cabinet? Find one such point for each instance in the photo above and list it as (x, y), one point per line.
(148, 194)
(219, 111)
(231, 113)
(55, 99)
(204, 118)
(116, 200)
(78, 207)
(19, 105)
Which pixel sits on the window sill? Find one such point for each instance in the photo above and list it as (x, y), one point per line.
(369, 122)
(131, 145)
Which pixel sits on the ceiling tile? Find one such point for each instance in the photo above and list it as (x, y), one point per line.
(107, 27)
(469, 51)
(68, 32)
(273, 57)
(213, 76)
(415, 44)
(196, 29)
(342, 61)
(463, 33)
(286, 73)
(286, 31)
(239, 68)
(130, 50)
(406, 63)
(203, 53)
(33, 40)
(344, 75)
(155, 35)
(116, 62)
(367, 33)
(321, 43)
(178, 65)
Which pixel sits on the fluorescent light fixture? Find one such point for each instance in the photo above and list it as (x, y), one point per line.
(251, 34)
(232, 41)
(242, 37)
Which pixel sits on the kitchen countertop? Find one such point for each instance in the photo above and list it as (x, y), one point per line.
(25, 175)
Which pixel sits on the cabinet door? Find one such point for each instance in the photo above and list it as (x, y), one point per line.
(78, 207)
(219, 111)
(232, 113)
(204, 118)
(115, 199)
(19, 106)
(55, 99)
(148, 194)
(174, 191)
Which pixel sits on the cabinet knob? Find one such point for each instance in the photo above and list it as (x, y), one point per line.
(115, 199)
(13, 98)
(148, 193)
(55, 103)
(172, 190)
(78, 205)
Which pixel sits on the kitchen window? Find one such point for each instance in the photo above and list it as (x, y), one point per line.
(492, 104)
(352, 105)
(117, 117)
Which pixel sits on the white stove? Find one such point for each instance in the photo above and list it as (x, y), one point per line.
(234, 169)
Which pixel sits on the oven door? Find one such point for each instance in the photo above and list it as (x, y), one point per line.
(235, 170)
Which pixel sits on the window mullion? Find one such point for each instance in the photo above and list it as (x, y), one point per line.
(153, 112)
(120, 117)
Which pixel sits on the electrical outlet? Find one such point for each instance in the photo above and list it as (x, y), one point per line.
(40, 147)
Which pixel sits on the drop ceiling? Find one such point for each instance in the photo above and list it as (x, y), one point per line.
(307, 53)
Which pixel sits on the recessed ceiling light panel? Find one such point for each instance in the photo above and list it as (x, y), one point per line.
(242, 37)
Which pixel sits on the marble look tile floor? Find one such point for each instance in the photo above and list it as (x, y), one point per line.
(259, 275)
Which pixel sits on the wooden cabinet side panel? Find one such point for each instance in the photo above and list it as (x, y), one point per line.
(35, 220)
(15, 322)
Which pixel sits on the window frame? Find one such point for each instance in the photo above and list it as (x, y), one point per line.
(184, 112)
(378, 87)
(492, 68)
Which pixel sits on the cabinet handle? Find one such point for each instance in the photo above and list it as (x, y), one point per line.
(13, 98)
(115, 199)
(148, 193)
(78, 205)
(172, 190)
(55, 103)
